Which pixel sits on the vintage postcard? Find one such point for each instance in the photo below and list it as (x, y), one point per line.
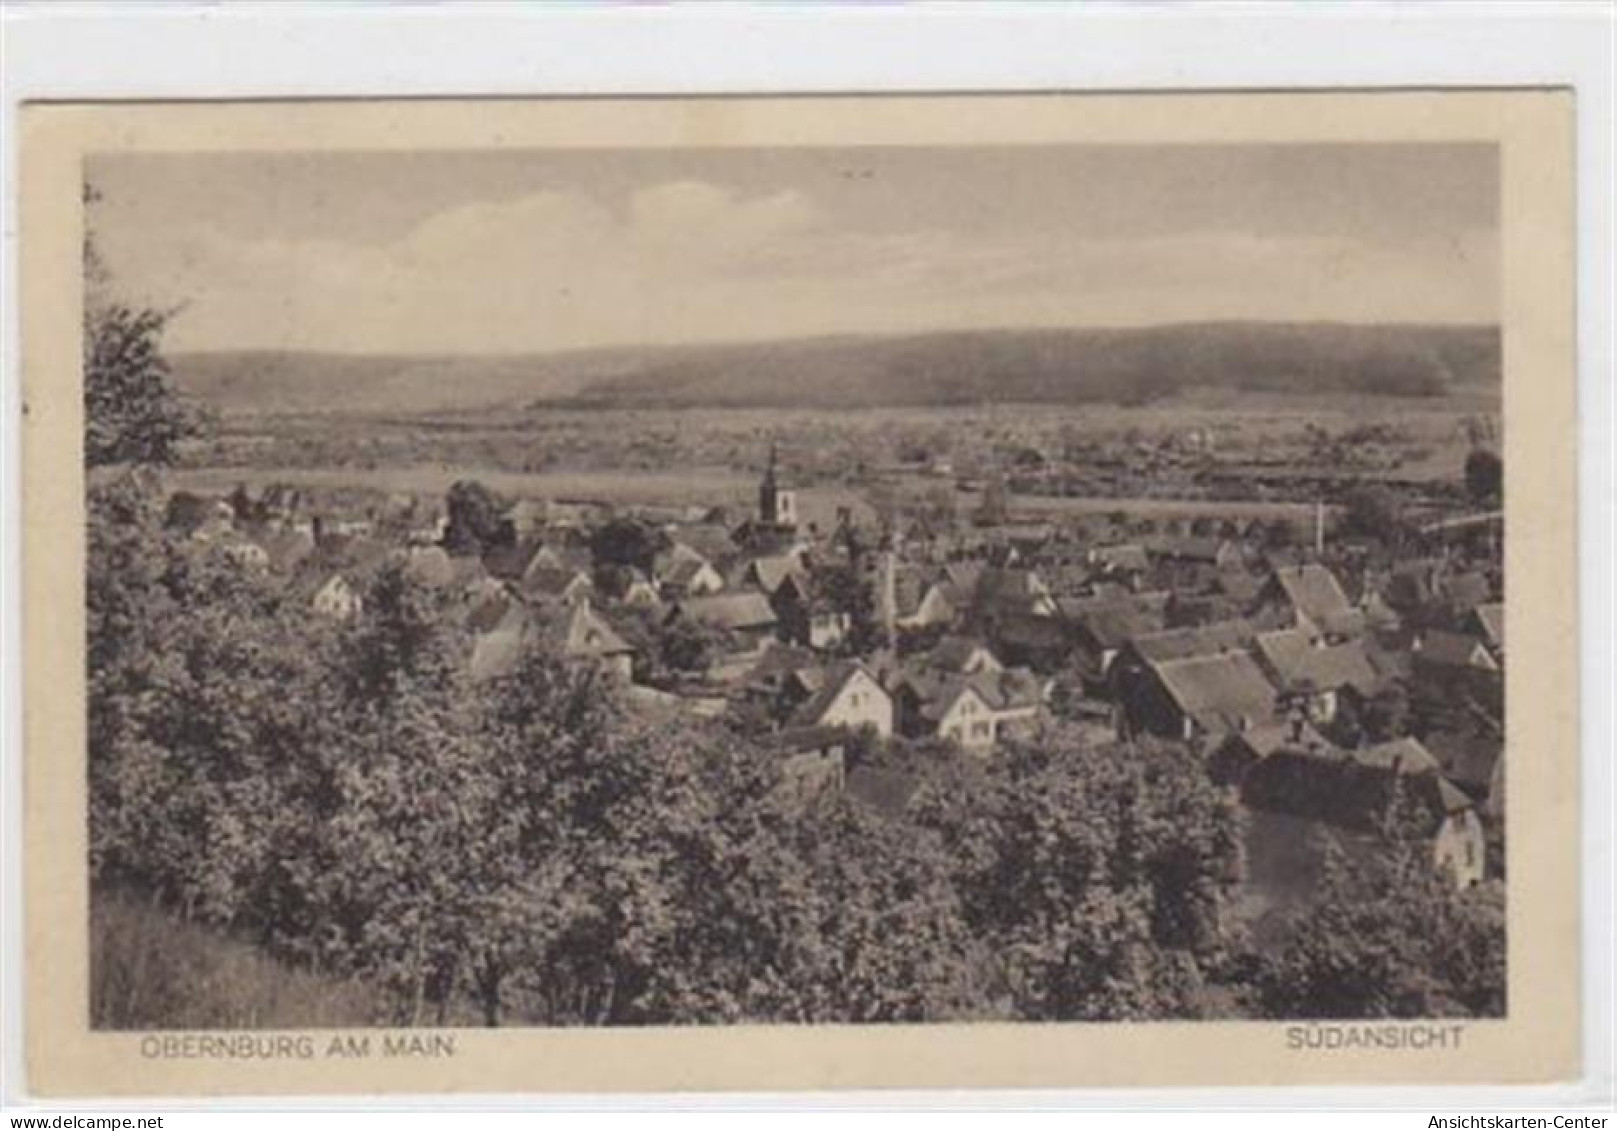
(789, 593)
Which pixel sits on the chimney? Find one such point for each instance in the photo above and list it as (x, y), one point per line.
(890, 599)
(1319, 527)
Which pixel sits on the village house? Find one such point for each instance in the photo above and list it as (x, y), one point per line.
(337, 598)
(1101, 630)
(1472, 756)
(916, 601)
(684, 573)
(567, 585)
(975, 711)
(805, 616)
(959, 655)
(745, 618)
(1353, 791)
(1309, 597)
(575, 633)
(581, 634)
(1003, 593)
(1043, 643)
(1319, 674)
(769, 572)
(243, 553)
(1447, 655)
(1233, 758)
(1487, 623)
(847, 695)
(1191, 684)
(199, 517)
(631, 588)
(1125, 562)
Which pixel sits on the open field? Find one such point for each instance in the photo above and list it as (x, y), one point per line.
(694, 487)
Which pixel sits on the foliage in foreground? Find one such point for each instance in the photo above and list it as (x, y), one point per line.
(1388, 936)
(527, 850)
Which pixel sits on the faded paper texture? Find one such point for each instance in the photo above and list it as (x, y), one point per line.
(795, 593)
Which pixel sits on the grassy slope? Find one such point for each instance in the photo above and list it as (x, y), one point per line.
(150, 971)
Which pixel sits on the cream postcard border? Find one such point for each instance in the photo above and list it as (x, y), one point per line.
(1539, 1041)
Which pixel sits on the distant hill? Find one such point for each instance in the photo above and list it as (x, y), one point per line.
(1061, 366)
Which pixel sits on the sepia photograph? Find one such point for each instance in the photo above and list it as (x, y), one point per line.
(759, 582)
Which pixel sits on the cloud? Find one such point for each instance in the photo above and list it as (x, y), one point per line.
(690, 260)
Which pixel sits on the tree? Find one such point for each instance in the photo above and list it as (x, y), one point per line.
(475, 522)
(847, 592)
(1484, 476)
(1372, 511)
(131, 411)
(627, 542)
(1101, 877)
(1389, 936)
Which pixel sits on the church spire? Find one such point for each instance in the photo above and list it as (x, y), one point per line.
(775, 507)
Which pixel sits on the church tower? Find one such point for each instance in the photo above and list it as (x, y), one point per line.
(775, 507)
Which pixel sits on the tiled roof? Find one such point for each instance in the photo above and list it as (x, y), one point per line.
(1313, 591)
(1203, 640)
(1220, 692)
(1491, 619)
(730, 610)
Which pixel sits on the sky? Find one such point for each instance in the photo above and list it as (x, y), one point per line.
(540, 251)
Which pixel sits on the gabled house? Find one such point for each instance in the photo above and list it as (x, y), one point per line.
(1218, 553)
(1487, 623)
(975, 711)
(1319, 674)
(1308, 596)
(1125, 562)
(509, 562)
(338, 598)
(782, 677)
(919, 601)
(243, 553)
(1473, 758)
(681, 577)
(849, 697)
(564, 585)
(1450, 653)
(580, 634)
(1101, 631)
(961, 655)
(1003, 593)
(745, 618)
(1200, 696)
(575, 633)
(1043, 643)
(769, 572)
(1354, 790)
(635, 590)
(805, 616)
(1234, 757)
